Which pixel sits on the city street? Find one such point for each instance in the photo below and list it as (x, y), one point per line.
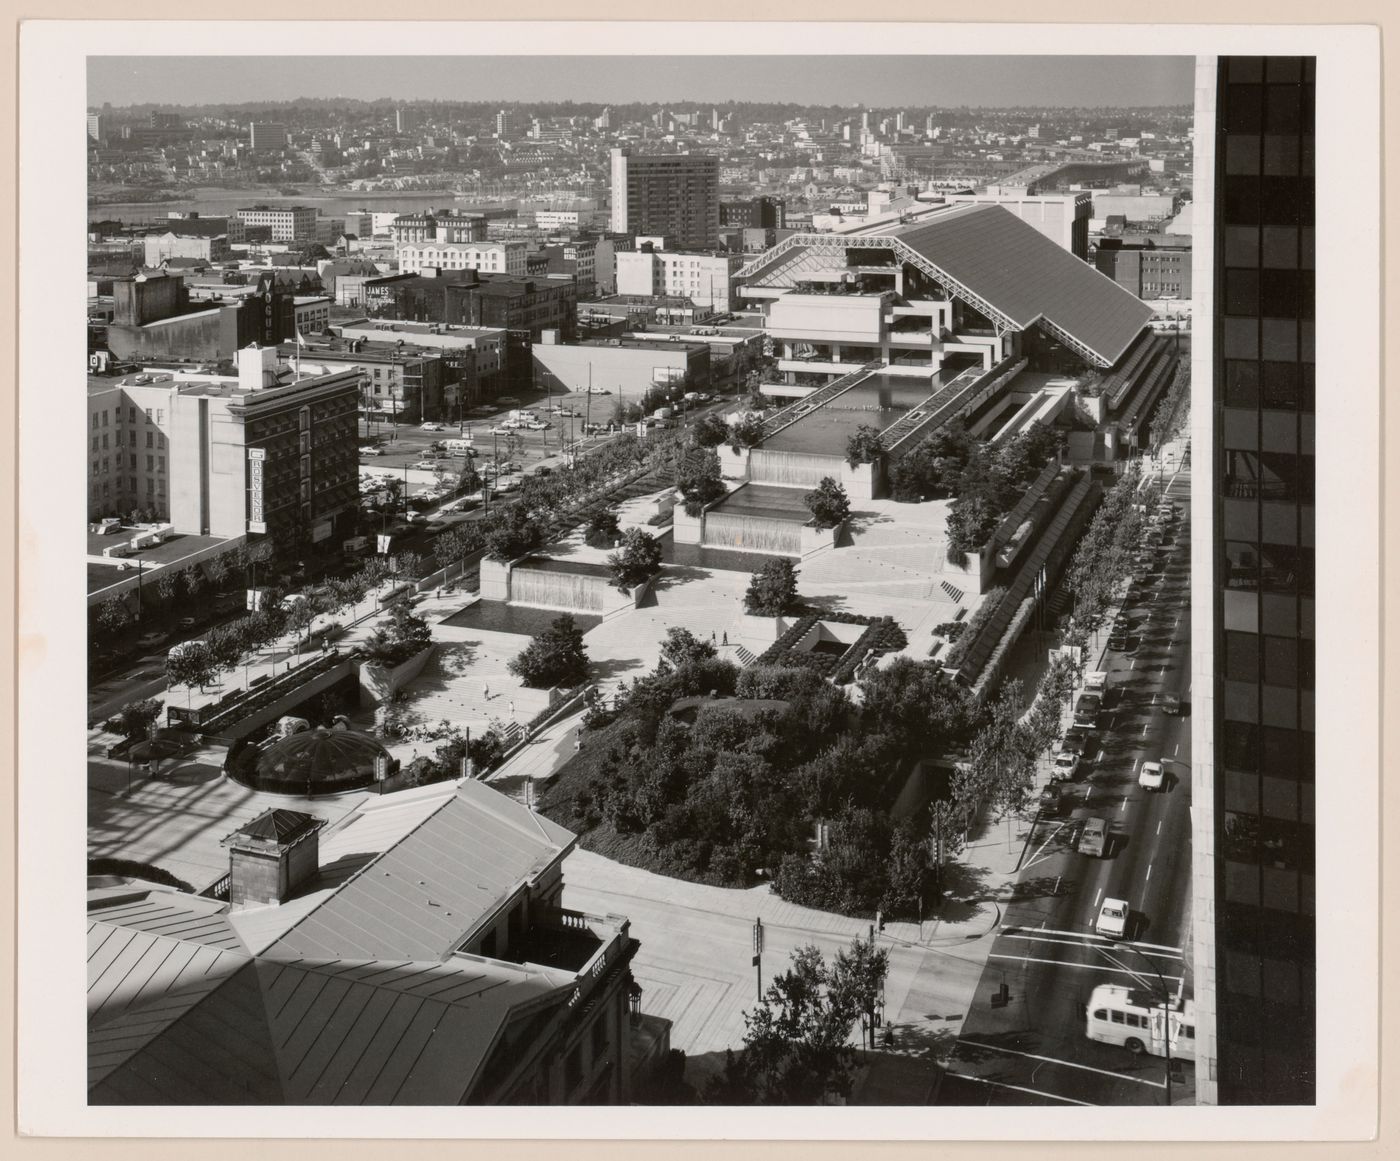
(1032, 1049)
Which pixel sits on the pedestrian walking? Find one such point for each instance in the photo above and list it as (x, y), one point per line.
(712, 636)
(512, 709)
(726, 636)
(486, 691)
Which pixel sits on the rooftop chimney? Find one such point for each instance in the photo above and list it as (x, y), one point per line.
(257, 367)
(270, 857)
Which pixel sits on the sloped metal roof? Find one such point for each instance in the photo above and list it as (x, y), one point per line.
(1028, 277)
(316, 1033)
(423, 897)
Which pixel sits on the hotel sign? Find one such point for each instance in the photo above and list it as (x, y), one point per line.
(256, 522)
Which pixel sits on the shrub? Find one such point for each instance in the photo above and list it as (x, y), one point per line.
(827, 503)
(135, 719)
(699, 481)
(748, 432)
(603, 529)
(637, 561)
(772, 589)
(405, 635)
(554, 657)
(864, 446)
(990, 600)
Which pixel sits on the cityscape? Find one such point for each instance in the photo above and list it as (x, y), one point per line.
(680, 602)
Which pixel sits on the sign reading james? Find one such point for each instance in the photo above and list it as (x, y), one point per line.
(256, 456)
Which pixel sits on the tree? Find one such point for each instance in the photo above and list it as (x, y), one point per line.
(864, 446)
(699, 480)
(300, 617)
(449, 547)
(682, 647)
(112, 615)
(858, 981)
(554, 657)
(217, 569)
(637, 560)
(135, 719)
(748, 432)
(709, 431)
(827, 503)
(403, 635)
(166, 587)
(194, 582)
(772, 589)
(224, 646)
(796, 1044)
(513, 532)
(189, 665)
(603, 529)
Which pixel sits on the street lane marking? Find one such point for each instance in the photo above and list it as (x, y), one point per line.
(1063, 1063)
(1144, 729)
(1134, 664)
(1097, 758)
(1102, 948)
(1149, 873)
(1018, 1088)
(1176, 749)
(1159, 826)
(1020, 932)
(1097, 896)
(1088, 967)
(1123, 807)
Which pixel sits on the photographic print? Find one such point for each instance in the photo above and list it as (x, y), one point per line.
(732, 581)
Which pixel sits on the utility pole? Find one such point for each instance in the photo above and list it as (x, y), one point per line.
(758, 955)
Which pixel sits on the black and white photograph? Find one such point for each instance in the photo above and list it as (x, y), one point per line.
(701, 579)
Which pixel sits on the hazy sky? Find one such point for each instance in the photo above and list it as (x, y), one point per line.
(847, 80)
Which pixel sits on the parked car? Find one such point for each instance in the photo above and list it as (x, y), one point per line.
(1050, 799)
(153, 640)
(188, 622)
(1075, 741)
(1113, 919)
(433, 426)
(1065, 766)
(537, 425)
(1097, 680)
(426, 465)
(1150, 777)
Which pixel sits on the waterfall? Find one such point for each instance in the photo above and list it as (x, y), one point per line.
(574, 592)
(753, 533)
(795, 469)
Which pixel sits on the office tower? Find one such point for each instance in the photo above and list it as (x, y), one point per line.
(407, 120)
(670, 194)
(267, 135)
(94, 127)
(1253, 748)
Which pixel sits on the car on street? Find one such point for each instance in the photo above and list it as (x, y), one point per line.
(425, 465)
(537, 425)
(153, 640)
(507, 485)
(1120, 642)
(1086, 710)
(1050, 799)
(1150, 777)
(1097, 680)
(433, 427)
(188, 623)
(1093, 837)
(1075, 741)
(1113, 919)
(1065, 766)
(599, 391)
(371, 451)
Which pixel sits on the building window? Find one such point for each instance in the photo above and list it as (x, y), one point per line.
(150, 440)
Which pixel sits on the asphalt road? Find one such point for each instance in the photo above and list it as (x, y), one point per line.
(1032, 1049)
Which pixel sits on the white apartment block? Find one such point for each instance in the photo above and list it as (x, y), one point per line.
(311, 314)
(706, 279)
(488, 257)
(287, 223)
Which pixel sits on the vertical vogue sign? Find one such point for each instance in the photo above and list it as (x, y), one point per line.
(256, 523)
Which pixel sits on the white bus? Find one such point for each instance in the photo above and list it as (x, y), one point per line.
(1135, 1019)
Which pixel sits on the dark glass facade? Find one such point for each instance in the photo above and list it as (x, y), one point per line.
(1263, 395)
